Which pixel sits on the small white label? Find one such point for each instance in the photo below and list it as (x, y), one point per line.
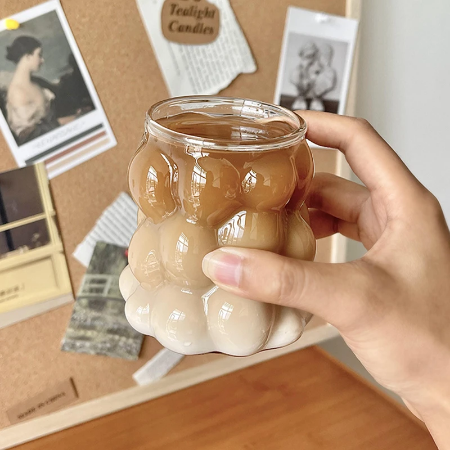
(157, 367)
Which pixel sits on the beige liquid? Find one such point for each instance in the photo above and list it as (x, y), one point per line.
(198, 199)
(240, 130)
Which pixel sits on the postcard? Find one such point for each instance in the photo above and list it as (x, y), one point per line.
(316, 61)
(98, 324)
(33, 270)
(50, 111)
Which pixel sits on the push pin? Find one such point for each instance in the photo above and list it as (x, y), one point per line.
(11, 24)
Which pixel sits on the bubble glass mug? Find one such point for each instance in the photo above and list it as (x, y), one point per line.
(212, 172)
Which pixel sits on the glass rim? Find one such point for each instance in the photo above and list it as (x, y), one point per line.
(291, 138)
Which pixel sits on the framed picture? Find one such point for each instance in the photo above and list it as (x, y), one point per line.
(316, 60)
(33, 271)
(50, 110)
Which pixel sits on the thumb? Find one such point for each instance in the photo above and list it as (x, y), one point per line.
(335, 292)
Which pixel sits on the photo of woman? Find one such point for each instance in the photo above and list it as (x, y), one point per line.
(50, 111)
(29, 102)
(41, 86)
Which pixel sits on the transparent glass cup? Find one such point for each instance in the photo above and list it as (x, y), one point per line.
(213, 172)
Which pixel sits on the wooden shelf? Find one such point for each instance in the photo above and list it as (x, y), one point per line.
(316, 332)
(302, 400)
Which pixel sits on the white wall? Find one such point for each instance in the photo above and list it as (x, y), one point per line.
(404, 84)
(404, 91)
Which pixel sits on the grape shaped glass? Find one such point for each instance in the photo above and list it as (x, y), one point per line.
(213, 172)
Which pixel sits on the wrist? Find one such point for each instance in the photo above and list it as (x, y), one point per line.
(434, 411)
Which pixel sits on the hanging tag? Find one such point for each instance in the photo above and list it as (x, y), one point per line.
(190, 21)
(50, 400)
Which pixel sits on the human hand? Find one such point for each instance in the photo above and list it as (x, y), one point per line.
(392, 305)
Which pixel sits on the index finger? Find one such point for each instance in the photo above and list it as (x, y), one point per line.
(368, 154)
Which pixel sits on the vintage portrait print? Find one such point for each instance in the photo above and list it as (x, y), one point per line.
(316, 61)
(50, 111)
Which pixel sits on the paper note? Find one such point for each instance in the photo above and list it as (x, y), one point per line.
(199, 69)
(50, 400)
(157, 367)
(115, 226)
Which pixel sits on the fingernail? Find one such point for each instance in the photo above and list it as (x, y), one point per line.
(223, 267)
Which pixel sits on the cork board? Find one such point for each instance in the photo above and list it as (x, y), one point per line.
(119, 57)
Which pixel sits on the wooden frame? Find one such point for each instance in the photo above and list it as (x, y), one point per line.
(316, 332)
(45, 261)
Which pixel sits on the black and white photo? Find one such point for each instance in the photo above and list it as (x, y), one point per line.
(50, 111)
(316, 61)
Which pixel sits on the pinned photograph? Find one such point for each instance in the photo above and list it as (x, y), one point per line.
(316, 61)
(34, 276)
(98, 325)
(50, 111)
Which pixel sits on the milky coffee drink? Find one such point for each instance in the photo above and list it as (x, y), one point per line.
(214, 172)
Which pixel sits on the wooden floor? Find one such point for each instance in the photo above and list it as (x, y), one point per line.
(302, 400)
